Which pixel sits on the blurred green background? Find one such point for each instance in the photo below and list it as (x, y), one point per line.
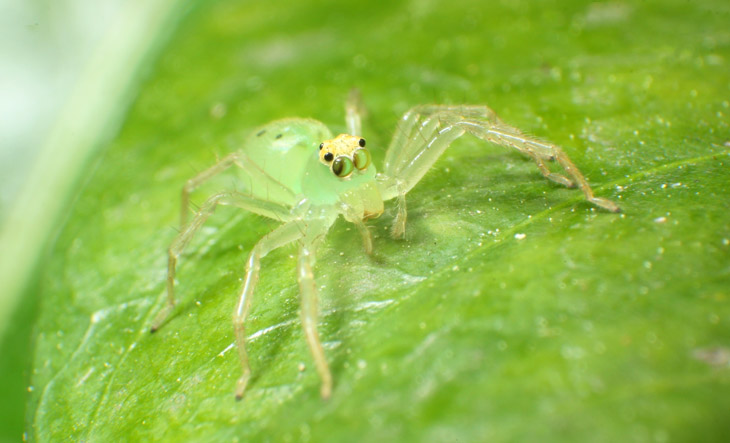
(514, 311)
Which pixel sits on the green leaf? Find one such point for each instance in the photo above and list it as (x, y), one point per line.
(514, 311)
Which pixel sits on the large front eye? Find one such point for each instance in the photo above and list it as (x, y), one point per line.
(362, 159)
(342, 167)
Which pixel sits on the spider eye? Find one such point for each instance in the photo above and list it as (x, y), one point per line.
(342, 167)
(361, 159)
(361, 143)
(321, 145)
(328, 157)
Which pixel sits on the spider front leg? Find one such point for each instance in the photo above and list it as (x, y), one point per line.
(426, 131)
(277, 238)
(310, 314)
(310, 232)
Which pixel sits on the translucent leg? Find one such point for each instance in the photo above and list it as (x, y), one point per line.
(399, 224)
(392, 187)
(509, 136)
(557, 178)
(367, 237)
(353, 112)
(239, 159)
(275, 239)
(187, 233)
(425, 132)
(353, 217)
(198, 180)
(310, 313)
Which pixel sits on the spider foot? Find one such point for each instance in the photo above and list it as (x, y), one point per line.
(161, 317)
(325, 391)
(241, 385)
(605, 204)
(398, 230)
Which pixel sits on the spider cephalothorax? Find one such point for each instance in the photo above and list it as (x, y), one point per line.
(344, 154)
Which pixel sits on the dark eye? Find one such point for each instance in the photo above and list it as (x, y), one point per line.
(361, 159)
(328, 157)
(321, 145)
(342, 167)
(361, 143)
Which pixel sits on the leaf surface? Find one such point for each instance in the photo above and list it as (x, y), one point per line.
(514, 310)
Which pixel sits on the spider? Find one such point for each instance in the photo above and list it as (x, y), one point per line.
(301, 175)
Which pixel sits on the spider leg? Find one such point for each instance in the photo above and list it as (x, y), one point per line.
(238, 159)
(353, 112)
(352, 215)
(539, 150)
(277, 238)
(426, 131)
(186, 234)
(309, 311)
(399, 224)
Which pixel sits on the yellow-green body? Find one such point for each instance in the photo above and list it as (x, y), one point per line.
(287, 151)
